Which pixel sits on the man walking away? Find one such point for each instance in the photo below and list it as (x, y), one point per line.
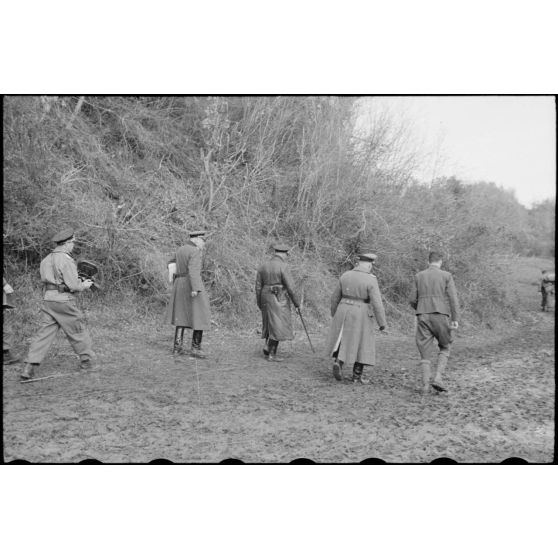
(7, 325)
(356, 303)
(434, 298)
(547, 287)
(59, 310)
(189, 304)
(273, 283)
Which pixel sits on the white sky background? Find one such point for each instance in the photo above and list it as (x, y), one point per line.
(510, 141)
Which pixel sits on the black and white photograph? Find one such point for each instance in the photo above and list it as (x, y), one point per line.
(315, 240)
(279, 278)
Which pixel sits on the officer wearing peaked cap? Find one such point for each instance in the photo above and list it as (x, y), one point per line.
(356, 304)
(273, 283)
(60, 280)
(189, 303)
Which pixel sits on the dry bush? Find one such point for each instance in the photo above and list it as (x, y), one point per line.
(133, 175)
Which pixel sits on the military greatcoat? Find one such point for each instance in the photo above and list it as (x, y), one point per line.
(355, 304)
(273, 283)
(185, 310)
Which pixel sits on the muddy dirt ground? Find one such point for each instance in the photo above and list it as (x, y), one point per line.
(144, 404)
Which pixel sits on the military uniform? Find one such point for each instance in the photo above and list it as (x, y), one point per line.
(434, 298)
(59, 310)
(274, 292)
(7, 325)
(356, 303)
(184, 310)
(547, 287)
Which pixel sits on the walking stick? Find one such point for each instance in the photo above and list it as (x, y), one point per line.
(304, 325)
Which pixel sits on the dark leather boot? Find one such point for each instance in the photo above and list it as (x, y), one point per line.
(9, 358)
(272, 357)
(28, 371)
(197, 351)
(337, 366)
(178, 347)
(87, 365)
(358, 376)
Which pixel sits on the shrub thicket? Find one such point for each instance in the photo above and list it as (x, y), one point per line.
(134, 174)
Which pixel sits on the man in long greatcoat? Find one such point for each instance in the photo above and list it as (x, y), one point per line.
(274, 292)
(356, 304)
(189, 303)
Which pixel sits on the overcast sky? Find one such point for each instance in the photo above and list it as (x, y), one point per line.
(507, 140)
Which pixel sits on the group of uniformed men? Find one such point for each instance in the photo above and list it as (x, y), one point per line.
(356, 307)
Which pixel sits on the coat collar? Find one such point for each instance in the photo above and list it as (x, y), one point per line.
(60, 250)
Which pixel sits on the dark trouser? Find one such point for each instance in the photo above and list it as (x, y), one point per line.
(430, 328)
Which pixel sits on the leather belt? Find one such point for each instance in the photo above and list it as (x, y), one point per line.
(349, 297)
(181, 274)
(51, 287)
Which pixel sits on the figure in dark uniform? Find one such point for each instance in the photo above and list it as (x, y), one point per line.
(7, 325)
(547, 287)
(274, 293)
(189, 304)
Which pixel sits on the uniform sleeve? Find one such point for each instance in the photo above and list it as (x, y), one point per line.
(376, 302)
(68, 269)
(287, 280)
(194, 271)
(452, 295)
(259, 285)
(413, 297)
(336, 297)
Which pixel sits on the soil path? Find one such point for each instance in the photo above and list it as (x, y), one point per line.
(144, 404)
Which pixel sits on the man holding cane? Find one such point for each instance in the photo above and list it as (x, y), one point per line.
(274, 292)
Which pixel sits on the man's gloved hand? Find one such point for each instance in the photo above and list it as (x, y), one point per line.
(194, 294)
(454, 325)
(87, 284)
